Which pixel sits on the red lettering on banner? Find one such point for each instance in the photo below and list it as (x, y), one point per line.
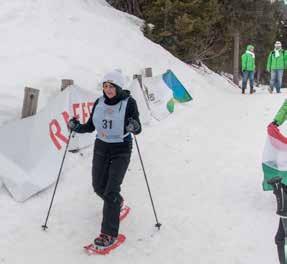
(75, 109)
(82, 110)
(66, 117)
(85, 113)
(55, 136)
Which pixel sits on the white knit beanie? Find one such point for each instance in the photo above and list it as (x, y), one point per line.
(114, 77)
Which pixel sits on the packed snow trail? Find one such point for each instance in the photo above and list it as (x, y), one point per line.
(203, 162)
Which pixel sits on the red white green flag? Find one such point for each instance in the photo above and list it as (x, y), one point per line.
(274, 161)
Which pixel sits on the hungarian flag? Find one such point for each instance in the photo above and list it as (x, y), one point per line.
(274, 161)
(163, 92)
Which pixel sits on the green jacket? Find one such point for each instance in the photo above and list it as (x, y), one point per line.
(281, 115)
(278, 63)
(247, 60)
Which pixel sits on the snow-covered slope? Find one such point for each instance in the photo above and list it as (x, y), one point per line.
(45, 41)
(203, 162)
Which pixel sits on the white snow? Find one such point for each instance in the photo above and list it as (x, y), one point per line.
(203, 162)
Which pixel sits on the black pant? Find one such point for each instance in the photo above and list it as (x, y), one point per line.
(280, 241)
(110, 163)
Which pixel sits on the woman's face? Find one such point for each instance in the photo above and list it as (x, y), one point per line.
(109, 90)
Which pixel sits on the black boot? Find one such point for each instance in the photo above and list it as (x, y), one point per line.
(252, 90)
(104, 240)
(270, 90)
(280, 239)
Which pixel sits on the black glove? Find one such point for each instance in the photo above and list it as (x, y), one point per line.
(274, 123)
(133, 126)
(74, 124)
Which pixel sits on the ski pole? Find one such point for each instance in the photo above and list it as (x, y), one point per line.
(158, 225)
(44, 227)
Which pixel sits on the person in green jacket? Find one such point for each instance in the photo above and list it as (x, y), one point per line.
(280, 191)
(248, 68)
(276, 65)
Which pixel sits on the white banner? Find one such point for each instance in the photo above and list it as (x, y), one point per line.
(40, 142)
(158, 95)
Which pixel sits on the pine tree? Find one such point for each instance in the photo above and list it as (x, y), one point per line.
(204, 30)
(187, 28)
(133, 7)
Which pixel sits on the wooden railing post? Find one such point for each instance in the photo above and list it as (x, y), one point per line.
(148, 72)
(30, 102)
(66, 83)
(145, 95)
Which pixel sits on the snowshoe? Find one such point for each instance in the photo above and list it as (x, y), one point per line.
(93, 249)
